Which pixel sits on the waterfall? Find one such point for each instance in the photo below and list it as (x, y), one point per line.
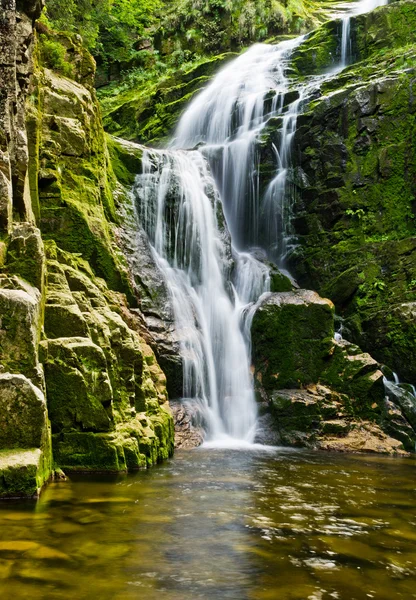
(178, 206)
(211, 170)
(226, 121)
(359, 8)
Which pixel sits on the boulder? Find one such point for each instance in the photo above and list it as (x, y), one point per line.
(20, 323)
(25, 442)
(23, 414)
(292, 336)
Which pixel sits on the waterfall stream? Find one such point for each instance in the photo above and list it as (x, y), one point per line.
(210, 171)
(359, 8)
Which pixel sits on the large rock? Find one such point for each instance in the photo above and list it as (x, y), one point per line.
(23, 414)
(292, 336)
(25, 439)
(20, 324)
(318, 417)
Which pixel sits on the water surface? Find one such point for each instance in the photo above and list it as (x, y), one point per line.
(219, 524)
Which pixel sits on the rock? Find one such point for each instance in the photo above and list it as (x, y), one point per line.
(23, 415)
(403, 399)
(188, 434)
(26, 256)
(364, 437)
(20, 322)
(22, 474)
(356, 374)
(320, 418)
(291, 338)
(77, 384)
(397, 426)
(391, 333)
(25, 444)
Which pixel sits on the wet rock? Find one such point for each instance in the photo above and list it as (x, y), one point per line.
(188, 433)
(320, 418)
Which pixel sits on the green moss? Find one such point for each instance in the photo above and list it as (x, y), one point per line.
(291, 339)
(53, 55)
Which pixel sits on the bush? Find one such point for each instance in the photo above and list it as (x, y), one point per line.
(53, 56)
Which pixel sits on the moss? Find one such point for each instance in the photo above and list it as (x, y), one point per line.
(358, 208)
(125, 160)
(21, 473)
(291, 338)
(149, 112)
(85, 451)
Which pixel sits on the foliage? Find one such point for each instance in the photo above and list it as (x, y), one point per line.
(111, 29)
(53, 56)
(150, 34)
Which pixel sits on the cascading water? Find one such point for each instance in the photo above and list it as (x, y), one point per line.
(226, 121)
(177, 207)
(359, 8)
(213, 164)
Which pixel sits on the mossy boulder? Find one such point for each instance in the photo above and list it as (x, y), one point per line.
(292, 336)
(25, 437)
(23, 473)
(23, 414)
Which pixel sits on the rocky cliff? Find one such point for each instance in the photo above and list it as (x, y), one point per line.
(355, 183)
(80, 385)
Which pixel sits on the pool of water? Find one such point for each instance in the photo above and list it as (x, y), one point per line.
(219, 524)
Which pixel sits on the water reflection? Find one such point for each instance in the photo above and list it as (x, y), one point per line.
(220, 524)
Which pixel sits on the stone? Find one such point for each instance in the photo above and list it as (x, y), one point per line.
(20, 318)
(25, 254)
(291, 338)
(356, 374)
(22, 474)
(77, 384)
(187, 432)
(23, 414)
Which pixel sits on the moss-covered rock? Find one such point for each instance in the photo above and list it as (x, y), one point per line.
(354, 213)
(20, 325)
(291, 336)
(149, 113)
(25, 438)
(106, 383)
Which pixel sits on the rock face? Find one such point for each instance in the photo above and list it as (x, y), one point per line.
(320, 392)
(71, 349)
(101, 376)
(355, 201)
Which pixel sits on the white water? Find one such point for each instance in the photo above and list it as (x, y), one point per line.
(226, 120)
(214, 158)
